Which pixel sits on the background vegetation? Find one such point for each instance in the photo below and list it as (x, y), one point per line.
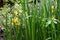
(30, 20)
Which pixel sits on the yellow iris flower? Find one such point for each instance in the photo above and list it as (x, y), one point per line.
(15, 21)
(52, 7)
(15, 13)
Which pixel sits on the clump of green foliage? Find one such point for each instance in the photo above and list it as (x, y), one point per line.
(38, 21)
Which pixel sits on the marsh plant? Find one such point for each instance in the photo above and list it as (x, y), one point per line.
(27, 20)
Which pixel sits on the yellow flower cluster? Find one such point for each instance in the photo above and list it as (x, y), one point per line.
(15, 20)
(52, 8)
